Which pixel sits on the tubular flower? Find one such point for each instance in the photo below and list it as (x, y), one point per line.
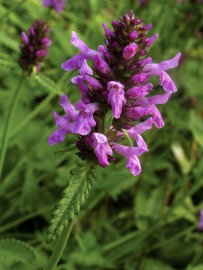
(35, 46)
(115, 89)
(200, 224)
(58, 5)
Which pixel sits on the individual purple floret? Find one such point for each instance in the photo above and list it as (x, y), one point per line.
(118, 102)
(58, 5)
(200, 224)
(35, 46)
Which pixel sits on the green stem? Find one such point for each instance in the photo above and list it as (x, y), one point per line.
(59, 248)
(4, 140)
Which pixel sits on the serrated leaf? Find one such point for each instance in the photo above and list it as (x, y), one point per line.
(16, 250)
(48, 84)
(74, 196)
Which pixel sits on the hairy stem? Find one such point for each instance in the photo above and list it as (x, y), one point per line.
(4, 140)
(59, 248)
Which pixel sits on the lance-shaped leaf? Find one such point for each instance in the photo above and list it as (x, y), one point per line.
(16, 250)
(74, 196)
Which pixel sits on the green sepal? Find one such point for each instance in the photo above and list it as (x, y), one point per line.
(130, 142)
(74, 196)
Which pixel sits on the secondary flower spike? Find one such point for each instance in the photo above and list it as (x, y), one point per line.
(35, 46)
(58, 5)
(118, 102)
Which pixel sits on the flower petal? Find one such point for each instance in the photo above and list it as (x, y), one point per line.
(116, 97)
(101, 65)
(165, 65)
(68, 107)
(101, 148)
(129, 51)
(57, 136)
(140, 128)
(74, 62)
(167, 82)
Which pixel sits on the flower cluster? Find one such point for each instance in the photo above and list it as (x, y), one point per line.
(35, 46)
(116, 95)
(58, 5)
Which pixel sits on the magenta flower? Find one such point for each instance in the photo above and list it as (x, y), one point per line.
(58, 5)
(117, 90)
(35, 46)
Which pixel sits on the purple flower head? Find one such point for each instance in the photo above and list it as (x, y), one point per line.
(118, 100)
(35, 46)
(58, 5)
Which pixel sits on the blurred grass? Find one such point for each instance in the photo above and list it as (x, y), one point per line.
(144, 223)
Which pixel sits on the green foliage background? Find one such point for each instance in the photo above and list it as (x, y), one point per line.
(144, 223)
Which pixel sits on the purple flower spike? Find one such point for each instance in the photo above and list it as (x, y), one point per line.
(117, 79)
(35, 47)
(129, 51)
(101, 148)
(58, 5)
(116, 97)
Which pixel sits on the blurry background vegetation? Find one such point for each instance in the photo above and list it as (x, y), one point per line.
(144, 223)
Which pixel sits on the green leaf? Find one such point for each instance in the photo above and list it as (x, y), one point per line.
(108, 121)
(179, 153)
(17, 250)
(9, 41)
(74, 196)
(6, 62)
(48, 84)
(196, 127)
(197, 267)
(151, 264)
